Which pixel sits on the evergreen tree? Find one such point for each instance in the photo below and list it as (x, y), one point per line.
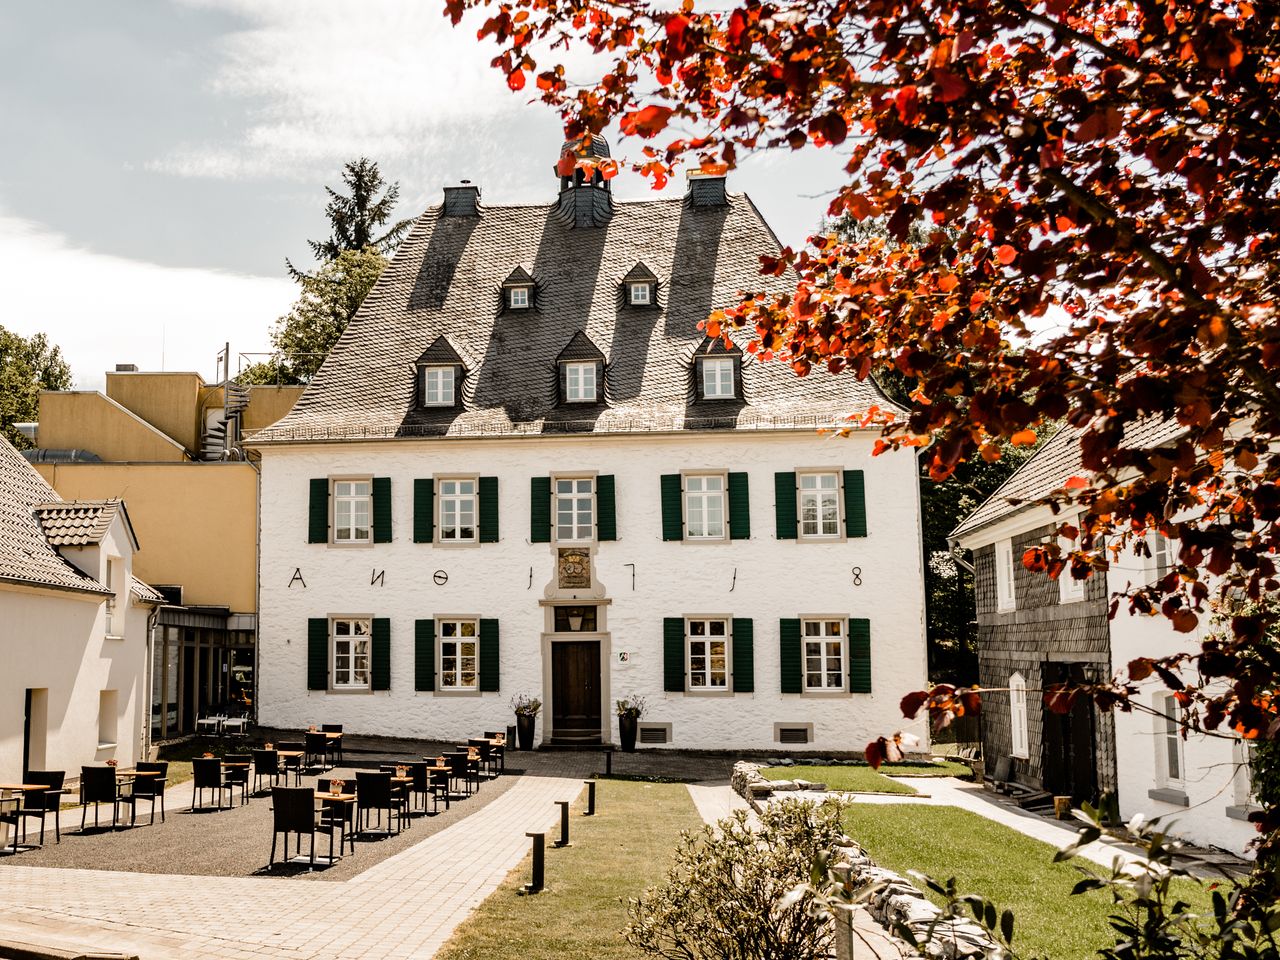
(355, 219)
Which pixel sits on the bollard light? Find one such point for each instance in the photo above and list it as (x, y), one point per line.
(564, 823)
(591, 799)
(535, 882)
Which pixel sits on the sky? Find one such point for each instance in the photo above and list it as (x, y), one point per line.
(162, 158)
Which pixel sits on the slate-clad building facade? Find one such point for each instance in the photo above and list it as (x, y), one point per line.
(524, 470)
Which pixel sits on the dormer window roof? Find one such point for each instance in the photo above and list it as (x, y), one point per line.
(439, 375)
(717, 371)
(517, 290)
(640, 287)
(581, 371)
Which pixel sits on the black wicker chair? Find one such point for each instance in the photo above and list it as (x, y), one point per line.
(150, 788)
(42, 803)
(98, 786)
(335, 744)
(316, 748)
(266, 763)
(235, 771)
(293, 810)
(209, 774)
(374, 793)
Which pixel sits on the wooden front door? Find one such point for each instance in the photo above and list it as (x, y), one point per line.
(575, 690)
(1070, 753)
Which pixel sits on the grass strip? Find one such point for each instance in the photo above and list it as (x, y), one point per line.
(851, 779)
(614, 855)
(1007, 867)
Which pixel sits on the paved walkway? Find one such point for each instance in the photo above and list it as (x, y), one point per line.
(406, 906)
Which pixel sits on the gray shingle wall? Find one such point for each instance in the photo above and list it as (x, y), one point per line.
(1040, 629)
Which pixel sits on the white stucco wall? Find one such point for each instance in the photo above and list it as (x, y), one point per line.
(1212, 780)
(762, 578)
(56, 641)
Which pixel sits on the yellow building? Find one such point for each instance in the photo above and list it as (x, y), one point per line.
(169, 443)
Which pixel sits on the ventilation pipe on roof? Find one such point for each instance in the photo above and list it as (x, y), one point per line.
(126, 368)
(707, 190)
(462, 200)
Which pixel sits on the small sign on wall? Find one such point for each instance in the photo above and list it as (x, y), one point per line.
(624, 656)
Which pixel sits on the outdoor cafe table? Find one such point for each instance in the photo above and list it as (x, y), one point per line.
(6, 793)
(335, 800)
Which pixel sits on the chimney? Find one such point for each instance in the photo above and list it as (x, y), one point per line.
(126, 368)
(462, 200)
(706, 190)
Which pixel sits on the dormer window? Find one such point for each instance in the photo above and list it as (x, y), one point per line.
(640, 294)
(580, 381)
(438, 386)
(640, 287)
(517, 290)
(518, 298)
(717, 376)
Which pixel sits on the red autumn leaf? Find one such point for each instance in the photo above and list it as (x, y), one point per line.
(912, 703)
(1023, 438)
(1139, 669)
(1076, 483)
(515, 79)
(950, 86)
(1184, 620)
(1006, 254)
(647, 121)
(875, 753)
(1060, 699)
(907, 102)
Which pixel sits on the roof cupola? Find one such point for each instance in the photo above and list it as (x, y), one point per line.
(585, 169)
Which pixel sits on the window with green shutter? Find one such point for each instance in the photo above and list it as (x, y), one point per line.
(380, 651)
(672, 507)
(859, 655)
(606, 509)
(673, 654)
(855, 504)
(488, 491)
(424, 510)
(318, 653)
(784, 504)
(489, 655)
(381, 509)
(540, 510)
(318, 513)
(744, 661)
(424, 655)
(739, 507)
(790, 660)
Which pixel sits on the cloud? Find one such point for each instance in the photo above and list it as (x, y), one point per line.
(102, 310)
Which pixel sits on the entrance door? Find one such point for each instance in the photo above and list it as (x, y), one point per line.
(575, 691)
(1070, 756)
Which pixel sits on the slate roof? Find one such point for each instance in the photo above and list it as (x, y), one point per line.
(26, 556)
(443, 281)
(580, 348)
(1057, 461)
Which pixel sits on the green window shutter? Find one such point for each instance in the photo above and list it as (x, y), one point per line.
(744, 659)
(318, 516)
(784, 500)
(739, 508)
(859, 655)
(318, 653)
(488, 497)
(672, 507)
(381, 509)
(424, 655)
(855, 504)
(424, 510)
(540, 510)
(673, 654)
(789, 656)
(488, 655)
(606, 510)
(380, 668)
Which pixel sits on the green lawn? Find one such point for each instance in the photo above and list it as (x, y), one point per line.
(927, 768)
(1003, 865)
(615, 855)
(851, 779)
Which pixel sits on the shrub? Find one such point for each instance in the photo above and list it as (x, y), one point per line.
(724, 894)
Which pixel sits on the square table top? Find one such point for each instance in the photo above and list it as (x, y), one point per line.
(25, 786)
(336, 797)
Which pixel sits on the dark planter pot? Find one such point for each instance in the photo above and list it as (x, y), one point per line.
(627, 733)
(524, 730)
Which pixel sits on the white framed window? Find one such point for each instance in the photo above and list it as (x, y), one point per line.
(117, 602)
(575, 508)
(1169, 739)
(580, 382)
(704, 507)
(717, 377)
(640, 294)
(350, 653)
(1069, 588)
(819, 505)
(824, 654)
(457, 511)
(438, 386)
(1242, 755)
(1006, 599)
(1019, 736)
(518, 298)
(707, 646)
(459, 643)
(1159, 559)
(352, 511)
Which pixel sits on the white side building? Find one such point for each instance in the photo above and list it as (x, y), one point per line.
(74, 629)
(524, 470)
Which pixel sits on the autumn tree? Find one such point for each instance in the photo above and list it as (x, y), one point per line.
(1107, 172)
(27, 366)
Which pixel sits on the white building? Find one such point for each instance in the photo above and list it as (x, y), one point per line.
(523, 470)
(74, 627)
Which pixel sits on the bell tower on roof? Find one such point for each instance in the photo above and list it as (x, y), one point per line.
(585, 197)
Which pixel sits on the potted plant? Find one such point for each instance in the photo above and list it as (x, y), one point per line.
(629, 711)
(526, 709)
